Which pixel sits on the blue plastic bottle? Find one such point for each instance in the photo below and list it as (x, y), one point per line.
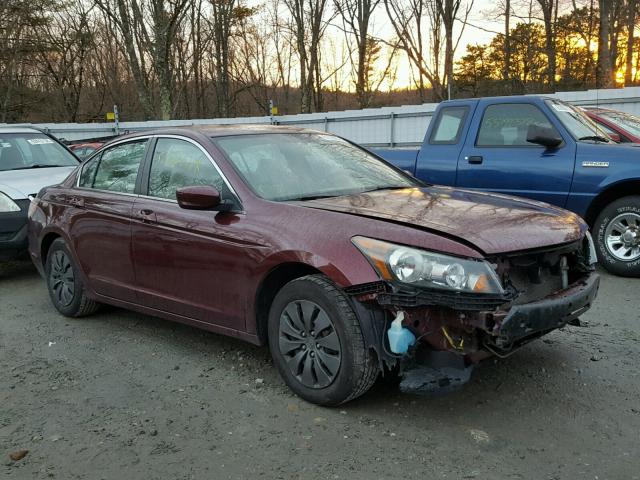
(400, 338)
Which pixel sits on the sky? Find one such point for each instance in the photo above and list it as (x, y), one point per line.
(482, 21)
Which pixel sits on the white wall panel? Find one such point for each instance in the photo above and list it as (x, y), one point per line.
(397, 126)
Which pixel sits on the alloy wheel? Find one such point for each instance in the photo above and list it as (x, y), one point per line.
(308, 341)
(61, 278)
(623, 237)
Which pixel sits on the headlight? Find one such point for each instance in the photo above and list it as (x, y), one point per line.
(8, 205)
(421, 268)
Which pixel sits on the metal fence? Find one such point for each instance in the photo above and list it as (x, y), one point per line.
(402, 126)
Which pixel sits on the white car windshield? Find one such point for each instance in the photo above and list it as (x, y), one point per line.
(303, 166)
(21, 151)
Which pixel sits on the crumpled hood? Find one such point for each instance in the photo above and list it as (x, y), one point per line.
(19, 184)
(493, 223)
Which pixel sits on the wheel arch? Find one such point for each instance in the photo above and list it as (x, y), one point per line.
(610, 194)
(269, 287)
(45, 245)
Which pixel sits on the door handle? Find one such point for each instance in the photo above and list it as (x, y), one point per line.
(474, 159)
(77, 202)
(146, 215)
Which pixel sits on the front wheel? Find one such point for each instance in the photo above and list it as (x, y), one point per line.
(317, 344)
(617, 232)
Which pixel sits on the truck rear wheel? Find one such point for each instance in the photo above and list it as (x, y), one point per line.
(617, 236)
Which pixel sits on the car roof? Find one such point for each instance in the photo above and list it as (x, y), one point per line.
(504, 99)
(18, 129)
(219, 130)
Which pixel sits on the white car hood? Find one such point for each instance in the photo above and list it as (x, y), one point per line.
(19, 184)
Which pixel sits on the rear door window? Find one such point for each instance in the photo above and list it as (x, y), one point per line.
(117, 168)
(449, 126)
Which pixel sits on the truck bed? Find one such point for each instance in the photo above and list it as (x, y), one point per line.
(404, 158)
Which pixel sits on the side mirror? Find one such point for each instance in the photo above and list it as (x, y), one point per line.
(199, 198)
(545, 136)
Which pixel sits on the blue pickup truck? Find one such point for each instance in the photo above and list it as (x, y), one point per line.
(540, 148)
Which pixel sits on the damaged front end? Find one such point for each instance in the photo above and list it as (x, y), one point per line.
(539, 291)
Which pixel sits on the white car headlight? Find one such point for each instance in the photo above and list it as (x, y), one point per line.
(7, 205)
(421, 268)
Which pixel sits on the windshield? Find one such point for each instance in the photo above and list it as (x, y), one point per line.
(576, 121)
(629, 122)
(19, 151)
(286, 166)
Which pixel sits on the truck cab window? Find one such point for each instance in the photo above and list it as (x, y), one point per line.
(506, 125)
(448, 126)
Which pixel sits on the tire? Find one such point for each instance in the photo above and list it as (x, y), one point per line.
(65, 286)
(300, 307)
(618, 217)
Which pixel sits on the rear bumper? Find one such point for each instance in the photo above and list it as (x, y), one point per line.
(555, 311)
(13, 232)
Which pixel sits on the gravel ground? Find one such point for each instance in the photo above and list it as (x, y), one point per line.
(124, 396)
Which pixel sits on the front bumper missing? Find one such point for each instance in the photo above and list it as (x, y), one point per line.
(531, 320)
(462, 337)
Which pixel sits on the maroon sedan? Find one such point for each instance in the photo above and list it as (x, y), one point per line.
(344, 265)
(622, 127)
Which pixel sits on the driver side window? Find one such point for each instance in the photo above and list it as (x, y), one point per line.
(178, 163)
(506, 125)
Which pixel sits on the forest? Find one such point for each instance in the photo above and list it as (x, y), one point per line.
(72, 60)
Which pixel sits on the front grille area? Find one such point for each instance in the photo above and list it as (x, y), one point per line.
(539, 274)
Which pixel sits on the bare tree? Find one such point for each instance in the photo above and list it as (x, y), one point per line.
(420, 41)
(550, 16)
(69, 40)
(632, 7)
(310, 21)
(507, 41)
(604, 72)
(356, 17)
(448, 10)
(148, 28)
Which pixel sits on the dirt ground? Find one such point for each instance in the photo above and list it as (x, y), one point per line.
(125, 396)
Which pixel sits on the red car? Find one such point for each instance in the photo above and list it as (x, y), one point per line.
(621, 127)
(85, 150)
(343, 264)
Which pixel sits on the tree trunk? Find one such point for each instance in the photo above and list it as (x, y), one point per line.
(549, 13)
(507, 41)
(604, 71)
(631, 25)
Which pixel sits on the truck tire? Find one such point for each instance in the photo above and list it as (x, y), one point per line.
(65, 286)
(317, 344)
(617, 236)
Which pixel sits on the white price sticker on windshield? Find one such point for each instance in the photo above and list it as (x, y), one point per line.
(39, 141)
(561, 108)
(5, 145)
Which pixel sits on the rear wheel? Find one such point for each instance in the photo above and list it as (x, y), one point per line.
(65, 286)
(617, 232)
(317, 344)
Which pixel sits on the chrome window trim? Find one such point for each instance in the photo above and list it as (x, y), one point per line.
(149, 137)
(213, 162)
(114, 144)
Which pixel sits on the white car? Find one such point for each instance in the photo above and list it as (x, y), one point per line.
(29, 161)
